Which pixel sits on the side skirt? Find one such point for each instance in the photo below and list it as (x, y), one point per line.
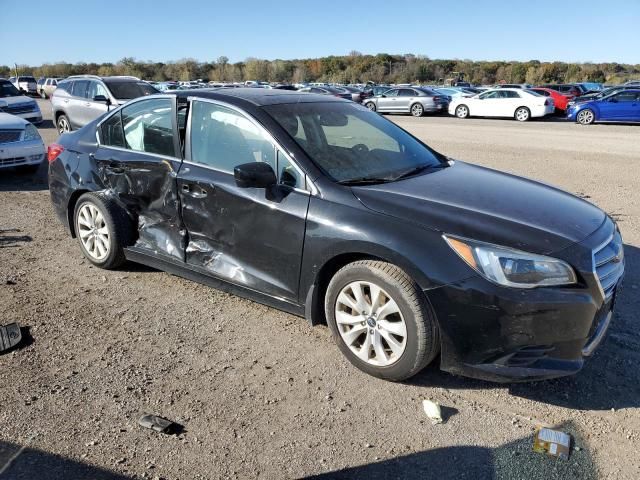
(200, 275)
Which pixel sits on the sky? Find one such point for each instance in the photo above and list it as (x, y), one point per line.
(159, 30)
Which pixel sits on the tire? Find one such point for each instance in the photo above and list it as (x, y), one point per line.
(43, 95)
(63, 125)
(412, 318)
(462, 111)
(586, 117)
(119, 230)
(417, 110)
(522, 114)
(371, 106)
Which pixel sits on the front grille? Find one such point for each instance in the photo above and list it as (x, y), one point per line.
(528, 355)
(9, 136)
(10, 162)
(608, 264)
(18, 108)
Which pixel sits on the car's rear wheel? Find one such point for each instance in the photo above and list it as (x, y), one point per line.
(522, 114)
(381, 320)
(462, 111)
(417, 110)
(371, 106)
(63, 124)
(103, 229)
(586, 117)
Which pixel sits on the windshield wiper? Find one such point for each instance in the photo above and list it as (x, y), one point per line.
(418, 169)
(365, 181)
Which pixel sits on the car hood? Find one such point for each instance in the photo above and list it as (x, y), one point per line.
(15, 100)
(487, 205)
(11, 122)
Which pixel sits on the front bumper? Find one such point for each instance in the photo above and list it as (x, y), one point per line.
(32, 117)
(21, 153)
(504, 334)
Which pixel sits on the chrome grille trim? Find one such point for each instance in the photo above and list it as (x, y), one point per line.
(608, 264)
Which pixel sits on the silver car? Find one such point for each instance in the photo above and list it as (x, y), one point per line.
(25, 83)
(20, 144)
(81, 99)
(414, 100)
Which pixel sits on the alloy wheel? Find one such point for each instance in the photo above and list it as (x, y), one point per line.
(522, 114)
(371, 106)
(462, 112)
(63, 125)
(417, 110)
(370, 323)
(94, 232)
(585, 117)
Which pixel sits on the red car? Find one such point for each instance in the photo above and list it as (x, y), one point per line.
(559, 99)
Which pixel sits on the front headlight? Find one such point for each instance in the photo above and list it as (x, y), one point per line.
(512, 268)
(31, 133)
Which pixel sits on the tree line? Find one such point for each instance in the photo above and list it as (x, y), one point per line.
(352, 68)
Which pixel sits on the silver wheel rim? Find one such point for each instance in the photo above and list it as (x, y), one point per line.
(585, 116)
(416, 110)
(371, 106)
(371, 324)
(462, 112)
(522, 115)
(93, 232)
(63, 125)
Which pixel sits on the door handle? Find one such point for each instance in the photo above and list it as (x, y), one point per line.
(194, 191)
(115, 167)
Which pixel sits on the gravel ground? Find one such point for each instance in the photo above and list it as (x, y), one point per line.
(260, 393)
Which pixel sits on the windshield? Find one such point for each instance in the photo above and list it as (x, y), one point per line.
(8, 90)
(128, 90)
(351, 144)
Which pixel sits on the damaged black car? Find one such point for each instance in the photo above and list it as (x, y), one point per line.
(319, 207)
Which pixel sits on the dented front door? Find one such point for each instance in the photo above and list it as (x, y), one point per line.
(252, 237)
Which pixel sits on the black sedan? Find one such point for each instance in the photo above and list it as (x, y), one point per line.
(319, 207)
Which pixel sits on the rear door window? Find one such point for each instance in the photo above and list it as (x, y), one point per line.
(407, 92)
(148, 126)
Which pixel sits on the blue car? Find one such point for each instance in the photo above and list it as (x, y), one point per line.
(622, 106)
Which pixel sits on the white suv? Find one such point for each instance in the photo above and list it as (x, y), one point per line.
(15, 103)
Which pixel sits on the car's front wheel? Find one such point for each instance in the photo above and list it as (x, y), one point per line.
(371, 106)
(43, 95)
(381, 320)
(462, 111)
(63, 124)
(586, 117)
(103, 229)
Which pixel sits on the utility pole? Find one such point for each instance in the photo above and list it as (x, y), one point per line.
(16, 68)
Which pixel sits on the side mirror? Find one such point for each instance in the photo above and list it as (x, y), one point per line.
(254, 175)
(102, 98)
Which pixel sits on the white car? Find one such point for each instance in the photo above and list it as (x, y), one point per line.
(503, 102)
(14, 102)
(20, 144)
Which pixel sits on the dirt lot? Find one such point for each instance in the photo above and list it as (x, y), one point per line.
(260, 393)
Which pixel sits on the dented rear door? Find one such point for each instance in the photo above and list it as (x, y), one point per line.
(138, 164)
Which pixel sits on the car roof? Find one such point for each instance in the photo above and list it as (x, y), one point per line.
(256, 96)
